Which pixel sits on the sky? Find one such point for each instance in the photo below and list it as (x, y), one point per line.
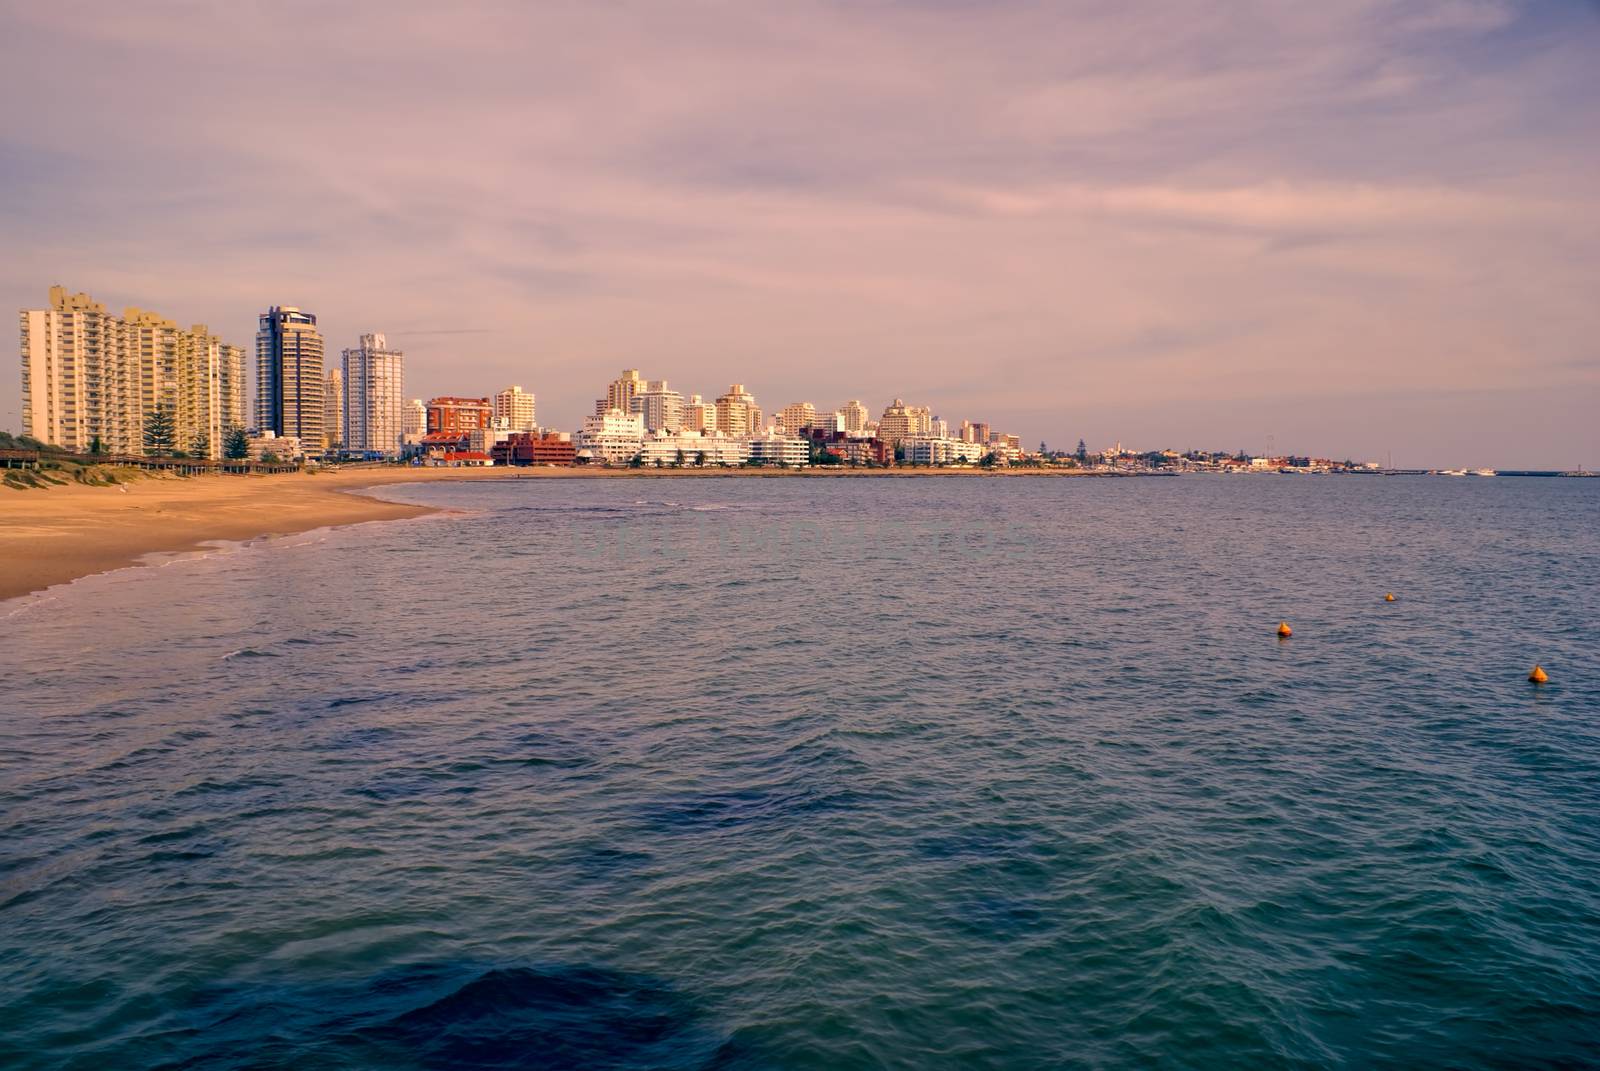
(1365, 229)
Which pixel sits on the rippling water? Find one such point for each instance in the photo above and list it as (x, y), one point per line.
(932, 773)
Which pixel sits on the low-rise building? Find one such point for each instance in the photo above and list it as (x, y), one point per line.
(612, 436)
(695, 448)
(265, 445)
(436, 444)
(854, 448)
(461, 459)
(531, 448)
(938, 450)
(777, 448)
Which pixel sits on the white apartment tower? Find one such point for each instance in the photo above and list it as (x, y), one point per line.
(661, 408)
(375, 410)
(516, 407)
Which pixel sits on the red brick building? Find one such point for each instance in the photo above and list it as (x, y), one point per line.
(458, 415)
(528, 448)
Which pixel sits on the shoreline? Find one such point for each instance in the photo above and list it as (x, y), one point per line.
(55, 535)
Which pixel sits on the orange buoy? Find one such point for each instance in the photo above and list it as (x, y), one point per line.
(1284, 631)
(1389, 597)
(1538, 676)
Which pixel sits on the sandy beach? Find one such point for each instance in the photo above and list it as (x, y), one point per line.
(53, 535)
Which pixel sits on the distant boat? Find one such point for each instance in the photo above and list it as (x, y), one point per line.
(1484, 472)
(1453, 472)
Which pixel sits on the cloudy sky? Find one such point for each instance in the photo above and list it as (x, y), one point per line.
(1349, 228)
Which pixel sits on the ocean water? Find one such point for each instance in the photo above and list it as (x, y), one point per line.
(889, 773)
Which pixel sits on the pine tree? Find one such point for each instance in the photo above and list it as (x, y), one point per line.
(160, 436)
(200, 445)
(236, 445)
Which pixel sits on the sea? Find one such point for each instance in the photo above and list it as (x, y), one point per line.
(821, 773)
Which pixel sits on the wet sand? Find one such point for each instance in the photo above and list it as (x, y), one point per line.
(52, 535)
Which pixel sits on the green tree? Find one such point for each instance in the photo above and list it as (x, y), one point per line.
(700, 459)
(987, 462)
(200, 445)
(236, 445)
(97, 445)
(1083, 452)
(160, 436)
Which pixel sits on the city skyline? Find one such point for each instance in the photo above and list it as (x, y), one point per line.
(1360, 229)
(382, 390)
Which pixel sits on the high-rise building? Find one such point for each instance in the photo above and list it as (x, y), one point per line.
(855, 415)
(333, 429)
(458, 416)
(89, 378)
(974, 432)
(699, 414)
(210, 397)
(833, 422)
(661, 408)
(791, 418)
(516, 407)
(196, 378)
(413, 422)
(902, 421)
(80, 385)
(375, 398)
(738, 413)
(290, 388)
(620, 392)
